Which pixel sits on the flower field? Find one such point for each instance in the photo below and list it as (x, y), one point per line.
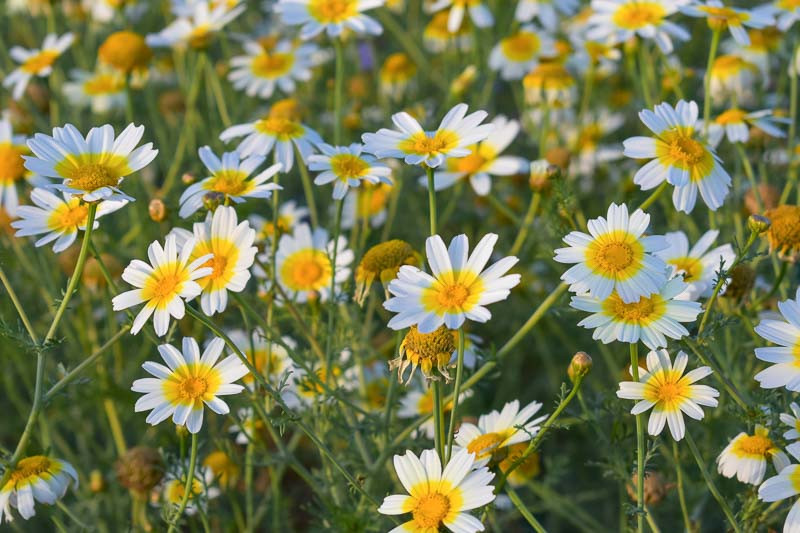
(399, 265)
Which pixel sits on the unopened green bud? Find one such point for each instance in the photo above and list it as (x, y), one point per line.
(580, 365)
(758, 223)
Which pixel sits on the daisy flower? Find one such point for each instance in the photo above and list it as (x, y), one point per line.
(289, 216)
(479, 13)
(515, 55)
(615, 256)
(35, 478)
(59, 218)
(793, 421)
(278, 130)
(101, 91)
(786, 13)
(163, 284)
(617, 21)
(679, 157)
(784, 372)
(230, 176)
(586, 140)
(551, 84)
(188, 382)
(270, 359)
(36, 62)
(439, 497)
(12, 165)
(264, 68)
(174, 488)
(732, 77)
(437, 37)
(669, 393)
(785, 485)
(91, 167)
(347, 167)
(304, 266)
(746, 456)
(651, 319)
(370, 201)
(698, 266)
(735, 19)
(415, 146)
(484, 161)
(498, 430)
(419, 402)
(196, 27)
(547, 11)
(396, 74)
(458, 288)
(330, 16)
(735, 124)
(229, 244)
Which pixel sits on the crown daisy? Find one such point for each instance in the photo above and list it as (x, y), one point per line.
(347, 167)
(196, 26)
(163, 284)
(479, 13)
(547, 11)
(35, 478)
(92, 167)
(12, 165)
(37, 62)
(230, 246)
(415, 146)
(498, 430)
(746, 456)
(231, 177)
(720, 16)
(785, 371)
(456, 290)
(617, 21)
(699, 266)
(439, 498)
(651, 319)
(615, 256)
(515, 55)
(188, 382)
(669, 393)
(735, 124)
(792, 421)
(101, 91)
(264, 68)
(330, 16)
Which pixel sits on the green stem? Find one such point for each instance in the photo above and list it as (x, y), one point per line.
(712, 488)
(687, 522)
(188, 486)
(712, 54)
(533, 319)
(654, 196)
(456, 393)
(527, 222)
(751, 177)
(790, 147)
(337, 227)
(219, 94)
(526, 514)
(18, 306)
(338, 92)
(640, 451)
(308, 188)
(438, 419)
(431, 199)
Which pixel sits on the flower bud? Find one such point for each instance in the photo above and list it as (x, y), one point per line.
(580, 365)
(96, 481)
(140, 469)
(187, 178)
(157, 210)
(758, 223)
(655, 487)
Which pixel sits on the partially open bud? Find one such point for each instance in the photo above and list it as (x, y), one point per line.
(139, 470)
(187, 178)
(157, 210)
(580, 365)
(758, 224)
(212, 200)
(655, 487)
(541, 174)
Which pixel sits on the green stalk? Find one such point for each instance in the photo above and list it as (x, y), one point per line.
(526, 514)
(337, 227)
(438, 419)
(456, 392)
(527, 222)
(712, 54)
(687, 522)
(188, 486)
(640, 451)
(18, 306)
(338, 92)
(431, 199)
(653, 196)
(792, 130)
(308, 188)
(751, 177)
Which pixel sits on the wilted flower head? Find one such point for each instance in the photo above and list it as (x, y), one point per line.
(382, 261)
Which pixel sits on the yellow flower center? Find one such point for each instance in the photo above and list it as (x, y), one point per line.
(162, 286)
(453, 295)
(720, 18)
(307, 270)
(103, 84)
(12, 166)
(687, 150)
(430, 510)
(274, 65)
(40, 61)
(691, 267)
(471, 163)
(634, 16)
(615, 256)
(175, 490)
(372, 199)
(428, 350)
(200, 37)
(398, 66)
(521, 46)
(69, 216)
(454, 292)
(232, 182)
(332, 11)
(192, 388)
(28, 468)
(784, 232)
(632, 312)
(421, 144)
(667, 388)
(125, 51)
(348, 166)
(752, 445)
(484, 444)
(788, 4)
(728, 66)
(93, 176)
(281, 127)
(731, 116)
(190, 384)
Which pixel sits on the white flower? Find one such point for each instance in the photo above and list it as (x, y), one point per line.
(698, 266)
(617, 21)
(439, 497)
(187, 383)
(615, 257)
(163, 284)
(785, 485)
(735, 124)
(263, 69)
(415, 146)
(35, 478)
(58, 218)
(784, 372)
(347, 167)
(515, 55)
(479, 13)
(36, 62)
(92, 167)
(101, 91)
(547, 11)
(669, 393)
(735, 19)
(331, 16)
(679, 157)
(793, 421)
(458, 288)
(746, 456)
(196, 27)
(230, 176)
(12, 165)
(651, 319)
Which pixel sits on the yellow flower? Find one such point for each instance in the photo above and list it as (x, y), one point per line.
(126, 51)
(382, 261)
(425, 350)
(784, 232)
